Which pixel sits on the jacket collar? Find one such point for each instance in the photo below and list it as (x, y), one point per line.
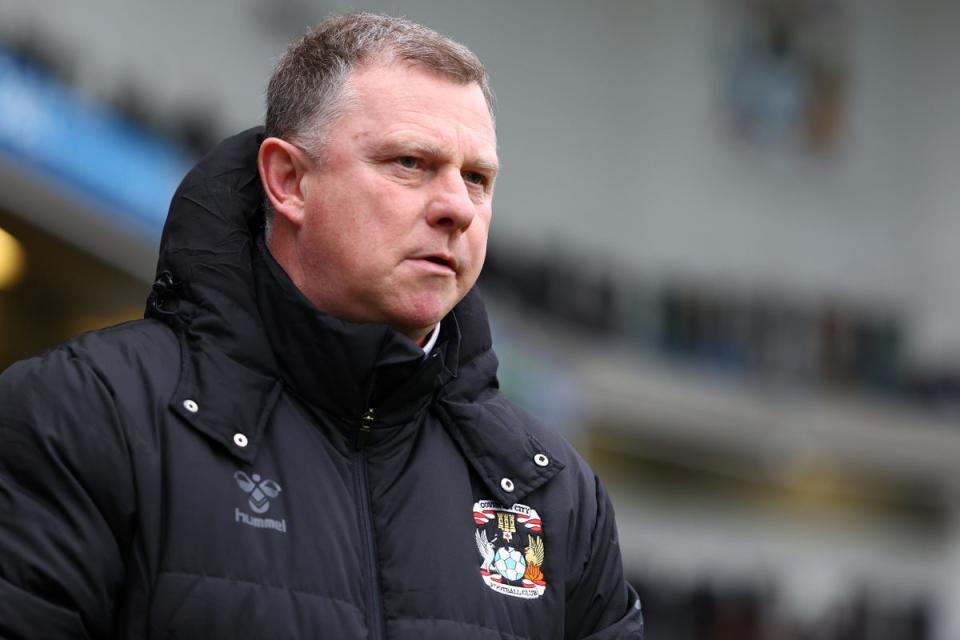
(226, 387)
(496, 437)
(343, 367)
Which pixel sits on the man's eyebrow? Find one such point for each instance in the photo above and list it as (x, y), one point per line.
(424, 148)
(490, 166)
(432, 150)
(418, 147)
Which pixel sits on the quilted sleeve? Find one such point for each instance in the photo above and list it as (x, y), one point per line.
(602, 606)
(65, 501)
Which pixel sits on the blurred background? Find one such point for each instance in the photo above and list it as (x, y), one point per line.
(724, 262)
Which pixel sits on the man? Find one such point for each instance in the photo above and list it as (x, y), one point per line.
(304, 438)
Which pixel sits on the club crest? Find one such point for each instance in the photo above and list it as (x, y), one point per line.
(510, 542)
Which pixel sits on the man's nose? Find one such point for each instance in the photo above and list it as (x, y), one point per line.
(450, 207)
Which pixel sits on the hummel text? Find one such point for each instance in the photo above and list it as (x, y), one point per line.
(260, 523)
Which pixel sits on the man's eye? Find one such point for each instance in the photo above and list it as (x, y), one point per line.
(408, 162)
(475, 178)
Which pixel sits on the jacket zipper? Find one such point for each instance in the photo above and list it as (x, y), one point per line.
(374, 612)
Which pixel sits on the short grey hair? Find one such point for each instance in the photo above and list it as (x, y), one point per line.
(308, 90)
(307, 93)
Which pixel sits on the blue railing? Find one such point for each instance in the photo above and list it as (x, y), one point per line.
(78, 145)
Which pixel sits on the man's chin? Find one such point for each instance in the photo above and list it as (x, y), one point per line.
(418, 326)
(419, 334)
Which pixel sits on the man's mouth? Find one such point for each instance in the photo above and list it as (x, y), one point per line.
(441, 259)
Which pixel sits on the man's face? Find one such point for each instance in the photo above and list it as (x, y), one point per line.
(397, 210)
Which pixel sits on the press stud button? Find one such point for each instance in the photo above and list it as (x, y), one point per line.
(191, 406)
(240, 440)
(541, 460)
(507, 485)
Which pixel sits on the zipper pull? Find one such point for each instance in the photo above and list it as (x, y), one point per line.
(366, 423)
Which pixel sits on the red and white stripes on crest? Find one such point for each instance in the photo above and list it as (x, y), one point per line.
(484, 516)
(530, 521)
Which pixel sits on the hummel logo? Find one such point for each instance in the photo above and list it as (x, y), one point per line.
(260, 490)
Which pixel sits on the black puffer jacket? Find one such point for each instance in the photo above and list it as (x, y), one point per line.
(239, 465)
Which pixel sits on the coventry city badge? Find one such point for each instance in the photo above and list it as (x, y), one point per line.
(510, 542)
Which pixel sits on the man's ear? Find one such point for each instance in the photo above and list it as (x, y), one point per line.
(282, 168)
